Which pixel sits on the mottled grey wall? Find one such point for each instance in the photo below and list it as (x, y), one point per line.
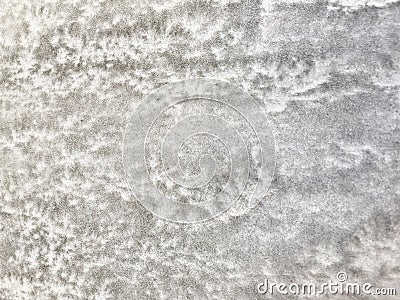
(72, 74)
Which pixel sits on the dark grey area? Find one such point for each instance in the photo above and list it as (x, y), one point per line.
(72, 74)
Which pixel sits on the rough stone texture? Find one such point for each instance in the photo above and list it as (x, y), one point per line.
(327, 73)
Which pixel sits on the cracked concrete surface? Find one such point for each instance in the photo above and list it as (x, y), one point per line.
(326, 73)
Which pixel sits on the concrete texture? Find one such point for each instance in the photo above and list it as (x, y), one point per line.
(327, 75)
(198, 148)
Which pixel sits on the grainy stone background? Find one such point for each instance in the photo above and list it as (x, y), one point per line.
(73, 72)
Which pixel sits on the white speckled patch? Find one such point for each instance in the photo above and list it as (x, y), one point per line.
(193, 148)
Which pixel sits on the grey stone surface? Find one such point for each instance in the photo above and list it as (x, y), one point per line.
(198, 148)
(73, 73)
